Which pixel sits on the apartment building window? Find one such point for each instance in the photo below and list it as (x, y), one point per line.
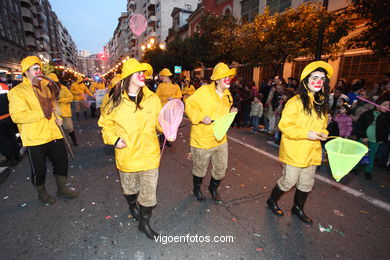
(158, 24)
(187, 7)
(366, 67)
(278, 6)
(157, 7)
(249, 10)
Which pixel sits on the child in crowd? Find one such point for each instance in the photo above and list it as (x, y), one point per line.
(256, 113)
(344, 121)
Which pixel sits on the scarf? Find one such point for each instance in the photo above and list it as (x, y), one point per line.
(47, 93)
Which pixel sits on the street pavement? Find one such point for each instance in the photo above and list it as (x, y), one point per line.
(350, 223)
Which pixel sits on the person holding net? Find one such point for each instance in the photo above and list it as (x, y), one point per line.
(303, 127)
(31, 106)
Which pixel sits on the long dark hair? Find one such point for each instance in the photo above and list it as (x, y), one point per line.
(321, 98)
(115, 95)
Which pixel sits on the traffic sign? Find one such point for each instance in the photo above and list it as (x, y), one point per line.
(177, 69)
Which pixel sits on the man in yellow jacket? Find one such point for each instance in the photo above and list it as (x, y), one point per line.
(97, 84)
(188, 89)
(129, 121)
(78, 89)
(208, 103)
(31, 108)
(303, 126)
(65, 111)
(167, 91)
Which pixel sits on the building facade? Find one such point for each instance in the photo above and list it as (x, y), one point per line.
(159, 21)
(30, 27)
(89, 64)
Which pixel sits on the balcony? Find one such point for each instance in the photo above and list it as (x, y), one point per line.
(152, 19)
(31, 42)
(151, 4)
(28, 27)
(27, 13)
(28, 2)
(131, 4)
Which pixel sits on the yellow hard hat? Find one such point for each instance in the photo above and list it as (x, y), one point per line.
(132, 65)
(221, 70)
(53, 77)
(186, 79)
(315, 65)
(27, 62)
(165, 72)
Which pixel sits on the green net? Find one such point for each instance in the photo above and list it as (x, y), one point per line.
(343, 155)
(222, 124)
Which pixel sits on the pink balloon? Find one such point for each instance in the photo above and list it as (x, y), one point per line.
(170, 118)
(138, 24)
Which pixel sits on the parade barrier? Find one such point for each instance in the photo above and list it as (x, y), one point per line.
(343, 156)
(222, 124)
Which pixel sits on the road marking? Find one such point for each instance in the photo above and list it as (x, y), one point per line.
(358, 194)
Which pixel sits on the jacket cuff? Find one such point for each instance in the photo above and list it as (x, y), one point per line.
(116, 142)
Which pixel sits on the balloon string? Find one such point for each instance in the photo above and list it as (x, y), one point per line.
(372, 103)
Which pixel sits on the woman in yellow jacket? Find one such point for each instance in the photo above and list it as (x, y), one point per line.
(64, 101)
(188, 89)
(208, 103)
(166, 90)
(129, 121)
(31, 108)
(303, 126)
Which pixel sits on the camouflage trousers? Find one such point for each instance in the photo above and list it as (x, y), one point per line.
(201, 160)
(144, 183)
(303, 178)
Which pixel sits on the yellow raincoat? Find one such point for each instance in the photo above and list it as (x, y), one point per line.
(168, 90)
(187, 91)
(97, 85)
(137, 128)
(206, 102)
(295, 148)
(64, 102)
(26, 112)
(78, 89)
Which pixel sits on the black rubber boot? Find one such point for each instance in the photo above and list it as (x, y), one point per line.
(299, 202)
(133, 205)
(213, 190)
(272, 201)
(85, 114)
(143, 226)
(11, 160)
(78, 116)
(43, 196)
(63, 191)
(196, 191)
(73, 137)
